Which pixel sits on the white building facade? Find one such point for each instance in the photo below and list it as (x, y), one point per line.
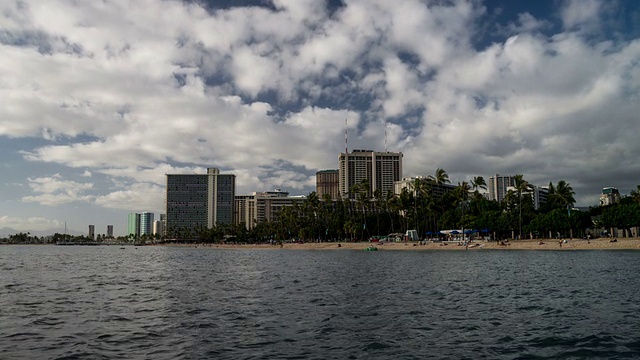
(380, 169)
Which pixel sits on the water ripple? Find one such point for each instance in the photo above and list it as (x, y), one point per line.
(172, 303)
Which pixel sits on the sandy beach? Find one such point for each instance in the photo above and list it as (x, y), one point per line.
(547, 244)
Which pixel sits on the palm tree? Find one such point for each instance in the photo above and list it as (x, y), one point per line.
(461, 192)
(478, 182)
(421, 191)
(404, 203)
(390, 205)
(635, 194)
(521, 186)
(440, 177)
(562, 193)
(378, 205)
(362, 190)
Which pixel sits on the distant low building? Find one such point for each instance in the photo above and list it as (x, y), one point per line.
(437, 190)
(263, 206)
(609, 196)
(539, 195)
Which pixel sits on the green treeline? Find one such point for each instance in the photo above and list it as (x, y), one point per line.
(374, 213)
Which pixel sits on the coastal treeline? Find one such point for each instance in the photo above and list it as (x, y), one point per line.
(465, 207)
(375, 213)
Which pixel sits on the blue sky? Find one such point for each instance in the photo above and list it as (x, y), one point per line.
(99, 100)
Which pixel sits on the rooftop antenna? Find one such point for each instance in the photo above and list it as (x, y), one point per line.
(385, 135)
(346, 137)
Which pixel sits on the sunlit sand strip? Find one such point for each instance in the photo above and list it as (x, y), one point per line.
(543, 244)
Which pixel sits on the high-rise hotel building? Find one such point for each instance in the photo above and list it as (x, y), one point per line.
(328, 182)
(146, 223)
(498, 186)
(133, 225)
(381, 169)
(193, 201)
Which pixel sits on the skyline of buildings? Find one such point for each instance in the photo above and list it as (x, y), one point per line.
(196, 200)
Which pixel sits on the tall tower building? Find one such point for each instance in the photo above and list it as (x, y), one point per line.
(381, 169)
(133, 225)
(158, 227)
(328, 182)
(109, 231)
(193, 201)
(92, 232)
(498, 186)
(146, 223)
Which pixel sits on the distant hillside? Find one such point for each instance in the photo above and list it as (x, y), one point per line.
(6, 232)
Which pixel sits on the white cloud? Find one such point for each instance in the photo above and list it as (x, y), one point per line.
(55, 190)
(580, 12)
(138, 197)
(136, 89)
(29, 223)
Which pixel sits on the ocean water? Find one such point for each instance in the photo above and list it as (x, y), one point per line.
(65, 302)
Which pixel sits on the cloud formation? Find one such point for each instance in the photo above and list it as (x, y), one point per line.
(132, 90)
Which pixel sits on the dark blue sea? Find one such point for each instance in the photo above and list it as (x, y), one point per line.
(101, 302)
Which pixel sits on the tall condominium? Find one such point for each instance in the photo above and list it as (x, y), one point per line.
(194, 201)
(146, 223)
(498, 186)
(158, 227)
(110, 231)
(133, 224)
(92, 232)
(380, 169)
(328, 182)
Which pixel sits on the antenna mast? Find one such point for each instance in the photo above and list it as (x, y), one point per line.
(385, 135)
(346, 142)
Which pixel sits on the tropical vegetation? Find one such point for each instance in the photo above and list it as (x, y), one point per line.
(372, 213)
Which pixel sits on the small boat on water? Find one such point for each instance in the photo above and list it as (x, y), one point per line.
(371, 248)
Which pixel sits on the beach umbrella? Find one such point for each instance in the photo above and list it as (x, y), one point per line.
(455, 232)
(469, 231)
(485, 230)
(429, 233)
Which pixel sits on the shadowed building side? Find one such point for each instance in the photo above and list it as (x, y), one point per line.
(195, 201)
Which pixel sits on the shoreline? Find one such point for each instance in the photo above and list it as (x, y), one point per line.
(549, 244)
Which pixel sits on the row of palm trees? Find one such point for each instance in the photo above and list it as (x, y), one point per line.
(369, 213)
